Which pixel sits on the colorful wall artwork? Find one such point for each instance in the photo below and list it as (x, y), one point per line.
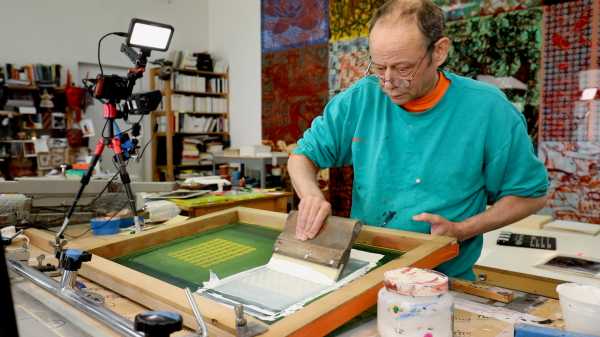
(348, 61)
(350, 18)
(293, 23)
(294, 91)
(297, 82)
(569, 127)
(574, 170)
(566, 53)
(518, 55)
(461, 9)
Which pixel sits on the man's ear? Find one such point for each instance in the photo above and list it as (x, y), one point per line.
(440, 51)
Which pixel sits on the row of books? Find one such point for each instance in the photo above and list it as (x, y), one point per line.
(218, 85)
(189, 83)
(191, 124)
(199, 84)
(192, 148)
(190, 152)
(210, 105)
(30, 74)
(186, 123)
(198, 104)
(191, 156)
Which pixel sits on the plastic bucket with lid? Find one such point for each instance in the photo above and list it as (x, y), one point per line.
(580, 306)
(414, 302)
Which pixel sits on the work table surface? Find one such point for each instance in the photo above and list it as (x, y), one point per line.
(467, 323)
(525, 260)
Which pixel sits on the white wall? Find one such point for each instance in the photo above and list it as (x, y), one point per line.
(67, 31)
(235, 36)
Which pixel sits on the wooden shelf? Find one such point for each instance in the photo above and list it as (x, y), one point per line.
(9, 113)
(199, 94)
(200, 72)
(168, 144)
(162, 113)
(21, 87)
(164, 134)
(184, 166)
(32, 88)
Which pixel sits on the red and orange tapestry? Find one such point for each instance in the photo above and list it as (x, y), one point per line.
(294, 91)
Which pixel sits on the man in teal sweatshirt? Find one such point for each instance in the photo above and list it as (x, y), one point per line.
(430, 149)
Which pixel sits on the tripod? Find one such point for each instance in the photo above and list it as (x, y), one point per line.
(110, 114)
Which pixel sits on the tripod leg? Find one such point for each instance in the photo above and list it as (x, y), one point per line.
(116, 145)
(85, 180)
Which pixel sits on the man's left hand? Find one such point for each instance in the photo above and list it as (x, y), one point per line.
(441, 225)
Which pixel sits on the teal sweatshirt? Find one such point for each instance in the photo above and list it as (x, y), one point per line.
(470, 149)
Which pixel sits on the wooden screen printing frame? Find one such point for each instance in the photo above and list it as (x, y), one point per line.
(315, 319)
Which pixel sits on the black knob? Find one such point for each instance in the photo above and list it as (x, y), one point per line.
(158, 323)
(73, 258)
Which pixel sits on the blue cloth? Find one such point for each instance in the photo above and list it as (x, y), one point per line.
(470, 149)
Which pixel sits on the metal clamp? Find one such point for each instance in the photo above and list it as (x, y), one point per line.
(243, 328)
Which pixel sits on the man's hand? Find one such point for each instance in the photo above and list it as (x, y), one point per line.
(441, 226)
(312, 212)
(313, 208)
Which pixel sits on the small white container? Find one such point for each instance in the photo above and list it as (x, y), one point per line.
(162, 210)
(415, 303)
(580, 306)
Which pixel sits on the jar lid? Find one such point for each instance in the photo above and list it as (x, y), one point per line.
(411, 281)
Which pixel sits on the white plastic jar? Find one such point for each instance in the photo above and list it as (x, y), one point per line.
(414, 303)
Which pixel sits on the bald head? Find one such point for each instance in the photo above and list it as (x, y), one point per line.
(406, 42)
(426, 15)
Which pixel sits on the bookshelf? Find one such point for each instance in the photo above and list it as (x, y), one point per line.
(39, 129)
(193, 117)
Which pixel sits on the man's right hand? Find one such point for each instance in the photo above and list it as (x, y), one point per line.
(312, 213)
(313, 208)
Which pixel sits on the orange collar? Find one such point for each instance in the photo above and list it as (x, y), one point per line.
(432, 98)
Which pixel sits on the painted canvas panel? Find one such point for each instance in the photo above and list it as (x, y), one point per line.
(460, 9)
(349, 19)
(294, 91)
(293, 23)
(567, 41)
(518, 58)
(574, 170)
(348, 61)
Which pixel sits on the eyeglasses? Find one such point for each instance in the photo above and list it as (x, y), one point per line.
(399, 78)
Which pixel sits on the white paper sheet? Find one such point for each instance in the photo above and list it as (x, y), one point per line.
(278, 289)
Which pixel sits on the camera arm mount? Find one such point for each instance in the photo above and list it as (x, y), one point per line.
(139, 59)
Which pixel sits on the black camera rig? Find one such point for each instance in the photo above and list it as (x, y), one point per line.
(116, 93)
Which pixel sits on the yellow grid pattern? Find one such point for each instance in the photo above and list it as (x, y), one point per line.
(210, 253)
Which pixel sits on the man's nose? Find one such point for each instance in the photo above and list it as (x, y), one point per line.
(387, 74)
(387, 84)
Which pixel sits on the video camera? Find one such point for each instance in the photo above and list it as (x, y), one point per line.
(147, 36)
